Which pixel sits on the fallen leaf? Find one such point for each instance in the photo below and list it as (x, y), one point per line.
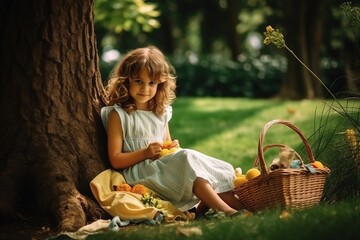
(189, 231)
(284, 214)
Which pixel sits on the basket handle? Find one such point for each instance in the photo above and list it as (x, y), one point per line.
(263, 167)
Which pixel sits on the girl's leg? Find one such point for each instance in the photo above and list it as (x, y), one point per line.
(203, 190)
(231, 200)
(227, 197)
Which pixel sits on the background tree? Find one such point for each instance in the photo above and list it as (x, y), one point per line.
(232, 10)
(303, 25)
(350, 48)
(219, 23)
(220, 43)
(52, 140)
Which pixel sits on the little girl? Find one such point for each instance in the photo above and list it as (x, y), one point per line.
(139, 95)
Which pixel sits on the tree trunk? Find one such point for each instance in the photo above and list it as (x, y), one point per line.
(303, 36)
(314, 35)
(207, 27)
(351, 56)
(233, 35)
(52, 140)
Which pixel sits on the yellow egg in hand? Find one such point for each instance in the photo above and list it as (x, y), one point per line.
(172, 150)
(164, 152)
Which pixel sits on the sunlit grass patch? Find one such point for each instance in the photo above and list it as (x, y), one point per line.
(229, 128)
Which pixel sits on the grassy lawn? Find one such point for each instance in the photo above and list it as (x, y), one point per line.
(339, 221)
(229, 129)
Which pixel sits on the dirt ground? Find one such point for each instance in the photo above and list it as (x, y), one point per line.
(26, 228)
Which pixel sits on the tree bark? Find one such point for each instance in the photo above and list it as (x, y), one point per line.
(314, 24)
(208, 27)
(303, 24)
(52, 140)
(351, 56)
(233, 35)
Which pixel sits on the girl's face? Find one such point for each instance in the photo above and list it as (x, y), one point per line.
(142, 89)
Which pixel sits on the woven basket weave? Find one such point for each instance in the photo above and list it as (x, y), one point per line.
(287, 188)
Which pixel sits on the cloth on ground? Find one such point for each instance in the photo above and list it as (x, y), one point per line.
(96, 227)
(103, 225)
(127, 205)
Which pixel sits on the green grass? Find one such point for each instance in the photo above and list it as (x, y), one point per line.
(228, 128)
(339, 221)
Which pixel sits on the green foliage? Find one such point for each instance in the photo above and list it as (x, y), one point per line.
(215, 76)
(337, 142)
(126, 15)
(353, 15)
(212, 75)
(150, 201)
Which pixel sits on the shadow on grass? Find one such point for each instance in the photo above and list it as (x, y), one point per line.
(193, 124)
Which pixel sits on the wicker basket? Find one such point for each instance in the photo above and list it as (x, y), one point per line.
(287, 188)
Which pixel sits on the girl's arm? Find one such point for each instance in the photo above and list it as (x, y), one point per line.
(117, 158)
(174, 143)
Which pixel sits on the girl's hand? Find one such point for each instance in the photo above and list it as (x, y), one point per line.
(153, 150)
(175, 144)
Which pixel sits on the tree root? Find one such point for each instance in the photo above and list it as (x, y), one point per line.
(73, 210)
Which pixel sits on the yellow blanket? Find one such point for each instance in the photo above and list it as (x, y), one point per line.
(127, 205)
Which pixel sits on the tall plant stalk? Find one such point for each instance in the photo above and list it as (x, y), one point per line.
(343, 156)
(277, 38)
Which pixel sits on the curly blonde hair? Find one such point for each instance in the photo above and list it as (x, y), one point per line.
(130, 67)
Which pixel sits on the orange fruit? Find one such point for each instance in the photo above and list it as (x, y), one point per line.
(139, 189)
(317, 164)
(252, 173)
(238, 181)
(123, 187)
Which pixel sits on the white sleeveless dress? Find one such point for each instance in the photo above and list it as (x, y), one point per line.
(170, 177)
